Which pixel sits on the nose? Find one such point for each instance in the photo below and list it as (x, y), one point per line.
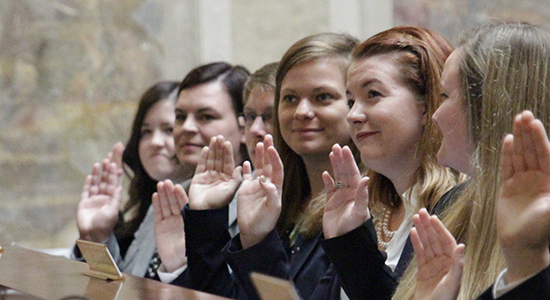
(435, 115)
(304, 110)
(258, 127)
(356, 114)
(158, 138)
(190, 125)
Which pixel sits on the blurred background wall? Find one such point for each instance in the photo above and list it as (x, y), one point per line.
(72, 71)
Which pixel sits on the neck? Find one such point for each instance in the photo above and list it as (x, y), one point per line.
(315, 166)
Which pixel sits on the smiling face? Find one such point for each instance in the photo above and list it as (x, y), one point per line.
(156, 143)
(313, 107)
(258, 115)
(203, 112)
(386, 119)
(456, 146)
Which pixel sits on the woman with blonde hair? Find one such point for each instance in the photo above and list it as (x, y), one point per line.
(496, 72)
(394, 84)
(309, 117)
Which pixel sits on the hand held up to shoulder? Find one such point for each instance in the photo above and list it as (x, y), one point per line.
(216, 178)
(259, 198)
(347, 195)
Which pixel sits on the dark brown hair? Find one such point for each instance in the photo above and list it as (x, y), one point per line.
(142, 186)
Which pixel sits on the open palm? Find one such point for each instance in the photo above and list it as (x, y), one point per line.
(259, 199)
(216, 179)
(347, 204)
(523, 207)
(99, 202)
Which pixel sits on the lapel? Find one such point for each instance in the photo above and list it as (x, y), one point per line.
(299, 257)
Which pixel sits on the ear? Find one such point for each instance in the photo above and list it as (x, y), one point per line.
(425, 116)
(241, 129)
(241, 121)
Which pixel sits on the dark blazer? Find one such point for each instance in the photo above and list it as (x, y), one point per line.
(361, 266)
(210, 249)
(305, 264)
(535, 288)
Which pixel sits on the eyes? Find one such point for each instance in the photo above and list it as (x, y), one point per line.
(250, 117)
(147, 130)
(321, 97)
(201, 116)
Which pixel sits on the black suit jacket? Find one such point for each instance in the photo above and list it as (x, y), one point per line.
(535, 288)
(361, 266)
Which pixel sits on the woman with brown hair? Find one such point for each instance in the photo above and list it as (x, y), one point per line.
(393, 83)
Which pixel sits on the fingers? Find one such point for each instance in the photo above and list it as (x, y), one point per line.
(420, 224)
(529, 156)
(201, 165)
(344, 167)
(518, 158)
(181, 196)
(95, 179)
(259, 162)
(446, 240)
(541, 144)
(112, 179)
(157, 211)
(328, 181)
(507, 157)
(277, 169)
(116, 155)
(417, 245)
(247, 171)
(228, 163)
(362, 196)
(171, 199)
(211, 158)
(455, 273)
(86, 188)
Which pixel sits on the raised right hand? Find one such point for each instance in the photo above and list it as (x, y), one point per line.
(523, 207)
(99, 202)
(440, 260)
(168, 202)
(347, 206)
(259, 199)
(216, 179)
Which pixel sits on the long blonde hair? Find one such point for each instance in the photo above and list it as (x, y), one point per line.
(296, 186)
(420, 55)
(504, 69)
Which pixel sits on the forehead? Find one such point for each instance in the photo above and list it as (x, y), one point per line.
(381, 67)
(260, 99)
(450, 75)
(209, 95)
(314, 73)
(162, 109)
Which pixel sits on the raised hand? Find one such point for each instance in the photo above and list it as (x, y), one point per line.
(168, 202)
(99, 202)
(259, 199)
(216, 179)
(523, 207)
(440, 260)
(347, 197)
(115, 155)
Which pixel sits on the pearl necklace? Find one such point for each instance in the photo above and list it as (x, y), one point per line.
(383, 227)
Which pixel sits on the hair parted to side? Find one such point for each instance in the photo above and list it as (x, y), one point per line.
(503, 71)
(296, 186)
(232, 78)
(264, 78)
(420, 55)
(142, 186)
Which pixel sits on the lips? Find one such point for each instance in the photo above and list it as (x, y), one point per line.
(306, 130)
(364, 135)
